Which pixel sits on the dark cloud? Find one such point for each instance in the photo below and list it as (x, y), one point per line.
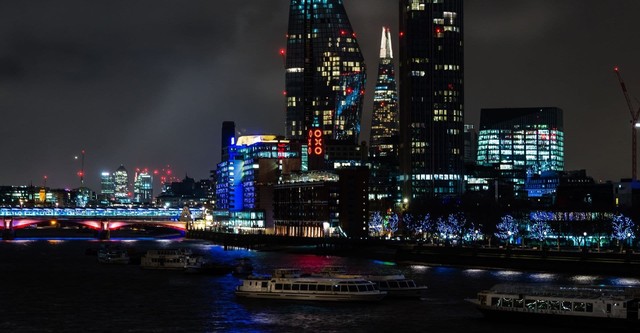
(148, 83)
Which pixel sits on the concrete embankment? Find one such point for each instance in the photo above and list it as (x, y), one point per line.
(547, 260)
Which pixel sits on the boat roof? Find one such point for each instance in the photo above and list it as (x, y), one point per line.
(570, 291)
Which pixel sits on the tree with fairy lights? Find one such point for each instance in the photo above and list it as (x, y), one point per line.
(622, 229)
(538, 230)
(451, 227)
(375, 225)
(507, 229)
(392, 224)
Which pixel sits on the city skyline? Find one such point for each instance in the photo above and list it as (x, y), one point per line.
(150, 88)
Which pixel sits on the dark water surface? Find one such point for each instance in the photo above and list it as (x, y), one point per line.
(54, 286)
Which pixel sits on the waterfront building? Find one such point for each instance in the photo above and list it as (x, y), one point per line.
(383, 151)
(569, 190)
(121, 181)
(470, 144)
(521, 142)
(142, 187)
(244, 182)
(322, 204)
(431, 72)
(325, 79)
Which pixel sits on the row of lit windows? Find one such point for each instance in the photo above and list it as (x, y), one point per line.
(447, 67)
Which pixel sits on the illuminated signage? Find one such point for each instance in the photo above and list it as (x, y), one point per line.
(315, 144)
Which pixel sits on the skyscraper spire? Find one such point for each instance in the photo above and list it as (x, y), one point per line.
(386, 52)
(383, 142)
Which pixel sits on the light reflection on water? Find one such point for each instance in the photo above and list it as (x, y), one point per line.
(127, 298)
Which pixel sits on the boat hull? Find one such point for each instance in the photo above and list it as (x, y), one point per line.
(545, 319)
(312, 296)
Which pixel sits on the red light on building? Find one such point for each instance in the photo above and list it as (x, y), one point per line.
(342, 32)
(401, 33)
(282, 52)
(349, 90)
(438, 30)
(315, 144)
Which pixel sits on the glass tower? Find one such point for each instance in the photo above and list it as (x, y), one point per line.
(325, 77)
(143, 187)
(121, 180)
(383, 151)
(431, 99)
(521, 142)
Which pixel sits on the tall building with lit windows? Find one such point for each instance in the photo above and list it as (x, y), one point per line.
(431, 89)
(121, 180)
(383, 141)
(143, 187)
(520, 143)
(325, 78)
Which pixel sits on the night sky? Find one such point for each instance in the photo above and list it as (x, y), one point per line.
(148, 83)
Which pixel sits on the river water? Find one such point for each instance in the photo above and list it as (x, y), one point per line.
(54, 286)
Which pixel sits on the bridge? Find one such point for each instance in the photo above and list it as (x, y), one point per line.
(103, 220)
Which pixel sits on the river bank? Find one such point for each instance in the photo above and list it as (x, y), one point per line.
(574, 261)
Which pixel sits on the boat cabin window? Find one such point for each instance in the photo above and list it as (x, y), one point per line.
(344, 289)
(411, 284)
(579, 306)
(494, 301)
(518, 303)
(321, 287)
(295, 286)
(278, 286)
(286, 286)
(608, 308)
(554, 305)
(264, 284)
(353, 288)
(393, 284)
(312, 287)
(383, 284)
(304, 287)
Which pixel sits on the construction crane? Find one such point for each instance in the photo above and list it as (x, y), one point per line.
(634, 125)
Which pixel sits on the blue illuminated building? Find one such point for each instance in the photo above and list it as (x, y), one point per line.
(325, 78)
(244, 182)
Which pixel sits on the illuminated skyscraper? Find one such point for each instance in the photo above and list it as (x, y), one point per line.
(108, 187)
(325, 77)
(431, 98)
(383, 150)
(121, 179)
(521, 142)
(143, 187)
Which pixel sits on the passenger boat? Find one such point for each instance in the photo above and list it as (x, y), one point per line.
(175, 259)
(201, 265)
(396, 285)
(575, 304)
(113, 256)
(289, 284)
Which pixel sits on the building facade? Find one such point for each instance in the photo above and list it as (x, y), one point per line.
(383, 141)
(521, 142)
(325, 78)
(143, 187)
(107, 188)
(121, 181)
(431, 99)
(244, 182)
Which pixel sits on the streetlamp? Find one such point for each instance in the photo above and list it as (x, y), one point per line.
(629, 238)
(509, 233)
(584, 234)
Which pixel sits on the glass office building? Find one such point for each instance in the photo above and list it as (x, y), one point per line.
(325, 77)
(431, 99)
(383, 142)
(521, 142)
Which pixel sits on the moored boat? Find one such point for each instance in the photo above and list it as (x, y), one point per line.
(113, 256)
(574, 304)
(289, 284)
(172, 259)
(202, 265)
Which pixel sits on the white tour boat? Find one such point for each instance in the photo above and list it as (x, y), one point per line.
(289, 284)
(396, 285)
(577, 304)
(165, 259)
